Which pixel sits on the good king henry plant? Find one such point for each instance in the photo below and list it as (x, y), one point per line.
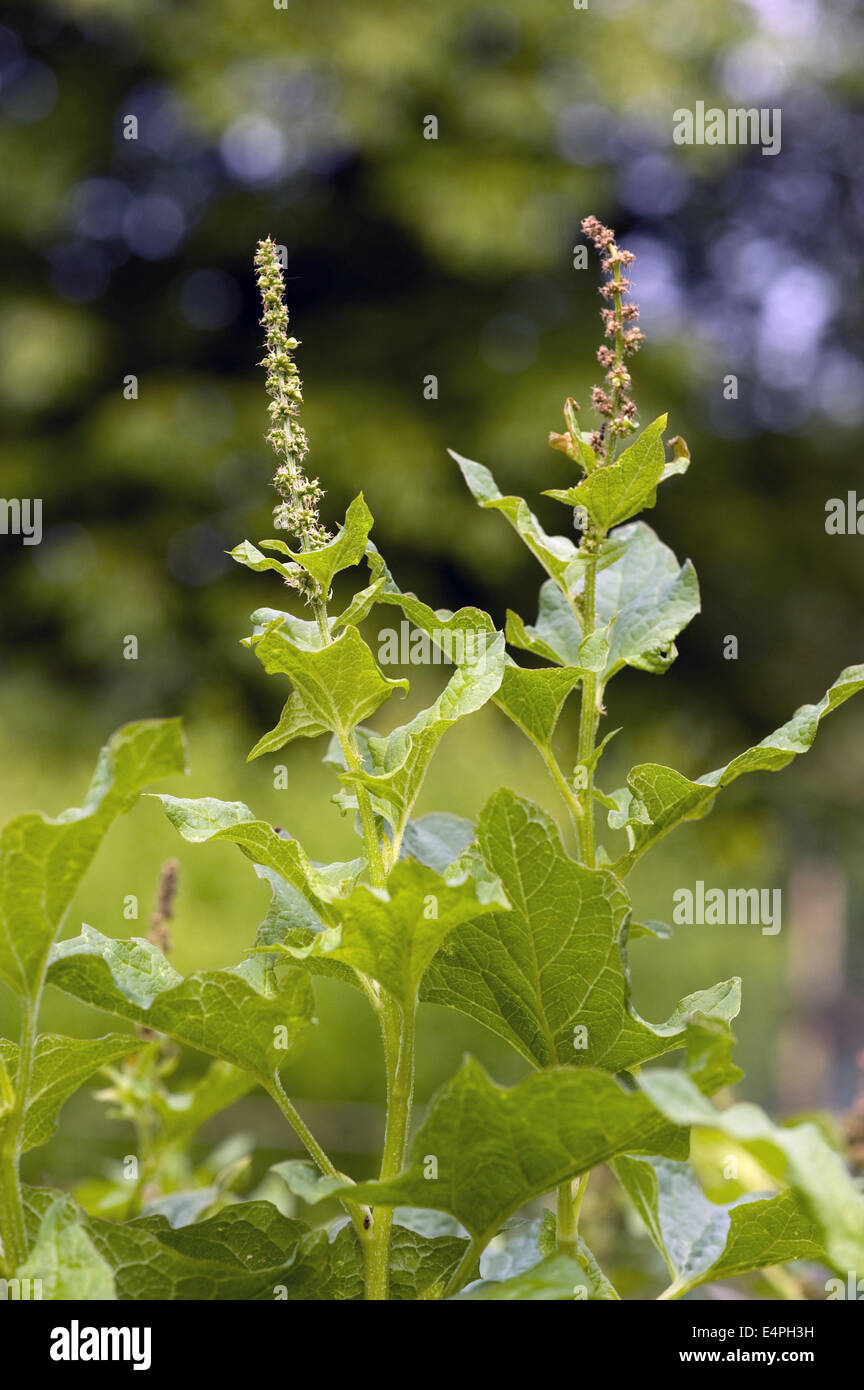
(498, 920)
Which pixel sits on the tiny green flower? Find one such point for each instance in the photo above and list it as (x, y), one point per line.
(297, 511)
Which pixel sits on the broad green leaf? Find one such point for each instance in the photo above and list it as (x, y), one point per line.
(798, 1156)
(437, 840)
(205, 818)
(221, 1012)
(421, 1265)
(643, 600)
(550, 976)
(304, 632)
(658, 798)
(648, 598)
(295, 721)
(391, 936)
(339, 685)
(65, 1259)
(521, 1247)
(346, 549)
(250, 1251)
(534, 699)
(614, 494)
(496, 1148)
(554, 1279)
(395, 765)
(555, 553)
(701, 1241)
(60, 1066)
(245, 1252)
(43, 861)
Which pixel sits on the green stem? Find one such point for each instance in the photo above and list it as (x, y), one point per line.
(574, 806)
(12, 1228)
(588, 717)
(603, 1288)
(589, 714)
(351, 754)
(313, 1148)
(397, 1025)
(570, 1196)
(466, 1265)
(371, 838)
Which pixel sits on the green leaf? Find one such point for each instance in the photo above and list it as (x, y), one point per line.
(360, 606)
(519, 1250)
(394, 766)
(249, 555)
(554, 964)
(391, 936)
(43, 861)
(701, 1241)
(648, 598)
(66, 1260)
(798, 1156)
(496, 1148)
(244, 1252)
(60, 1066)
(534, 699)
(221, 1012)
(555, 553)
(205, 818)
(339, 685)
(305, 632)
(295, 721)
(614, 494)
(346, 549)
(552, 1280)
(250, 1251)
(304, 1180)
(437, 840)
(659, 798)
(643, 600)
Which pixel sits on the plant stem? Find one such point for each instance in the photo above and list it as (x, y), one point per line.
(466, 1265)
(589, 714)
(574, 805)
(371, 839)
(397, 1027)
(351, 754)
(588, 717)
(12, 1228)
(570, 1196)
(313, 1148)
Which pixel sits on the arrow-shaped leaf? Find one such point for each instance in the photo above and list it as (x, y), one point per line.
(222, 1012)
(701, 1241)
(495, 1148)
(43, 861)
(550, 976)
(60, 1066)
(797, 1155)
(659, 798)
